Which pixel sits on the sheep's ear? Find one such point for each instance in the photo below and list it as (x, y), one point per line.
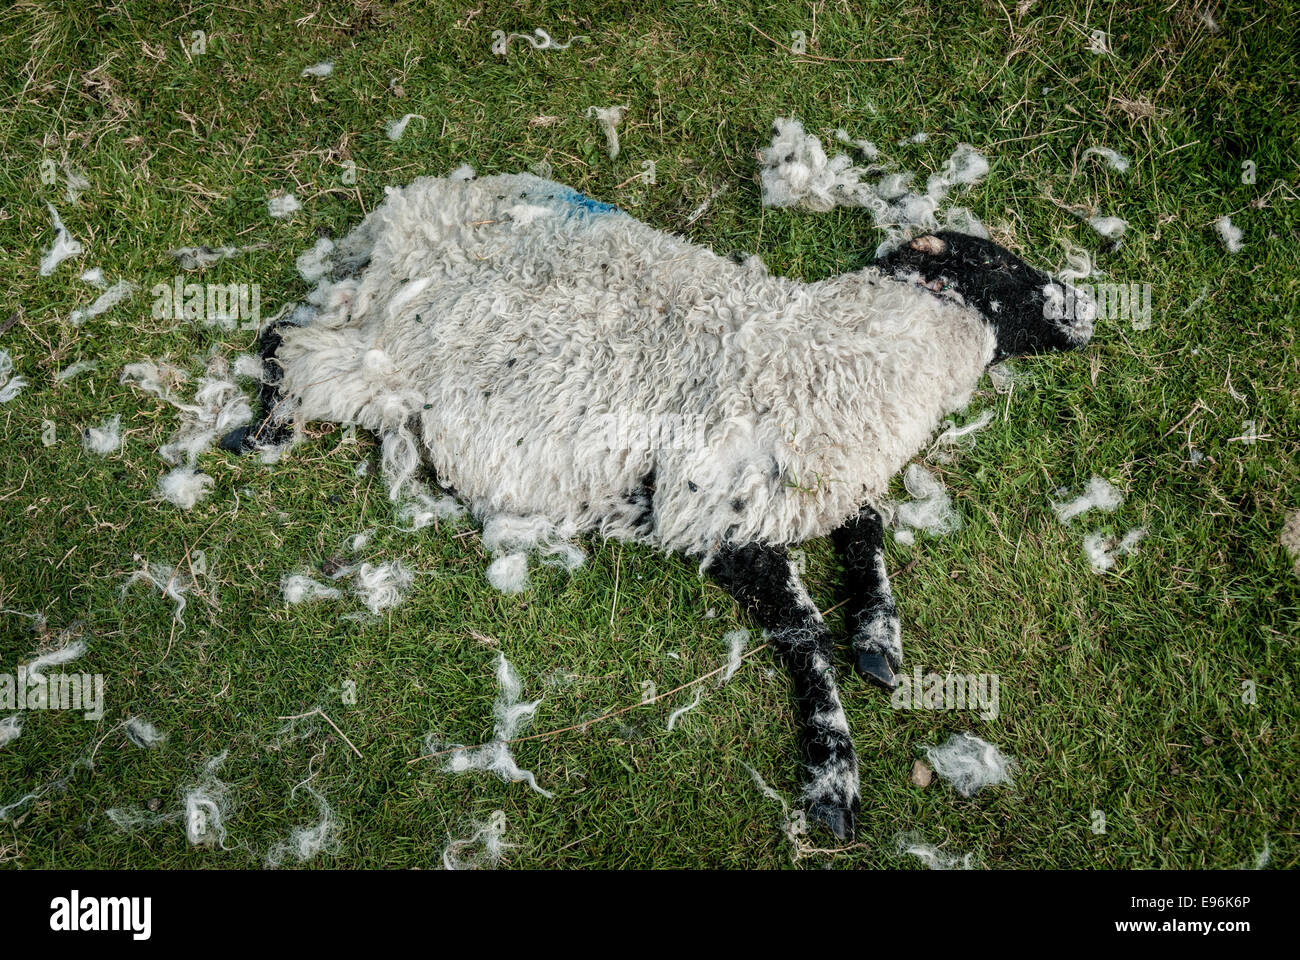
(929, 244)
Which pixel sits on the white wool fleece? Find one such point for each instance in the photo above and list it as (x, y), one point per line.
(547, 354)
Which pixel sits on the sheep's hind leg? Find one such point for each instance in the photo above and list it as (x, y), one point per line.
(872, 615)
(266, 430)
(763, 581)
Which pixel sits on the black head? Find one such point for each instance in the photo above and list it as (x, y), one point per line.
(1031, 311)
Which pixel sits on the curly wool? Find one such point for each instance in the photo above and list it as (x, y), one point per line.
(549, 355)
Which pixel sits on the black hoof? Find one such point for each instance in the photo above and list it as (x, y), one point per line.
(839, 820)
(874, 667)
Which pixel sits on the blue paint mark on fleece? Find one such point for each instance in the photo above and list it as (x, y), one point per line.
(582, 204)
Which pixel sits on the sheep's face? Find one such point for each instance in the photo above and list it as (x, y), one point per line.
(1030, 311)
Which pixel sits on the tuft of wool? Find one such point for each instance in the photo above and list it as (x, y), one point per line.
(315, 263)
(506, 533)
(1112, 228)
(166, 579)
(680, 711)
(1116, 161)
(305, 843)
(538, 40)
(919, 137)
(207, 805)
(509, 573)
(930, 509)
(249, 366)
(94, 276)
(486, 837)
(11, 728)
(397, 127)
(1290, 538)
(1101, 550)
(65, 654)
(10, 386)
(105, 438)
(510, 716)
(1097, 495)
(143, 734)
(65, 246)
(1003, 376)
(119, 292)
(382, 586)
(202, 257)
(970, 764)
(953, 434)
(72, 369)
(184, 487)
(865, 147)
(298, 588)
(322, 69)
(423, 509)
(462, 173)
(1231, 235)
(737, 640)
(609, 118)
(283, 206)
(911, 844)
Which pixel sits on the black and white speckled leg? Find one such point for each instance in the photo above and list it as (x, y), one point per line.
(872, 614)
(762, 579)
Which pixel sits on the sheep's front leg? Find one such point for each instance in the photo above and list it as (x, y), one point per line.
(763, 581)
(872, 615)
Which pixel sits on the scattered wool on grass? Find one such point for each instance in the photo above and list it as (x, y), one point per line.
(736, 640)
(919, 137)
(10, 386)
(865, 147)
(184, 487)
(322, 69)
(207, 806)
(423, 509)
(970, 764)
(60, 783)
(397, 127)
(94, 276)
(119, 292)
(202, 257)
(143, 734)
(11, 728)
(382, 586)
(538, 40)
(167, 580)
(1290, 538)
(680, 711)
(509, 573)
(495, 757)
(1098, 495)
(299, 588)
(793, 824)
(315, 263)
(283, 206)
(105, 438)
(1116, 161)
(797, 173)
(305, 843)
(249, 366)
(609, 118)
(73, 369)
(487, 837)
(911, 844)
(1231, 235)
(65, 246)
(1102, 550)
(930, 509)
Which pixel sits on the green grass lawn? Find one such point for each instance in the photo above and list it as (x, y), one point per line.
(1120, 693)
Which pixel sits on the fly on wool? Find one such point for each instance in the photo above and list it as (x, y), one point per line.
(565, 369)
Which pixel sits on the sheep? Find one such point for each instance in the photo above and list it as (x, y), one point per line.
(548, 357)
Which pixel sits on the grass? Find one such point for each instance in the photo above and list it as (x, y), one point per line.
(1121, 693)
